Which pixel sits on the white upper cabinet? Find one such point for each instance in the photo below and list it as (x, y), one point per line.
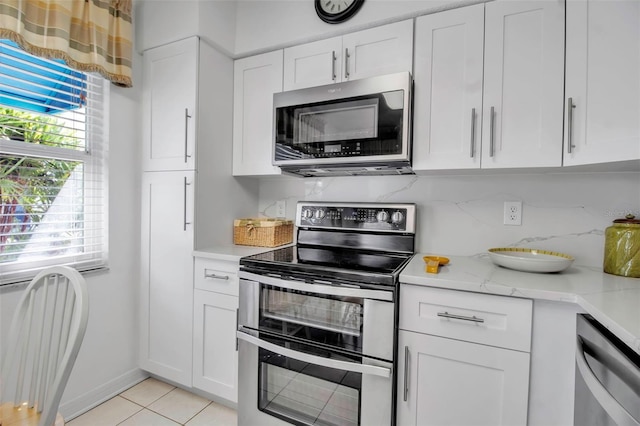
(313, 64)
(169, 113)
(376, 51)
(523, 83)
(256, 79)
(448, 89)
(491, 104)
(602, 109)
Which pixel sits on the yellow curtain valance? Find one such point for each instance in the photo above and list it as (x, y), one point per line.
(89, 35)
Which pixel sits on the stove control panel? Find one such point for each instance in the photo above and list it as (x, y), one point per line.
(357, 216)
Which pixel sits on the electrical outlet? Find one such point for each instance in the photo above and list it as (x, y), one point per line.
(281, 208)
(513, 212)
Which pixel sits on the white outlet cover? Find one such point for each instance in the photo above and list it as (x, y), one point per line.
(512, 213)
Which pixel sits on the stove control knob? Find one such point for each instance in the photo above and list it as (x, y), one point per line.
(397, 217)
(382, 216)
(307, 214)
(319, 214)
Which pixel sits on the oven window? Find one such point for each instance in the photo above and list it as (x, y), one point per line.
(331, 320)
(307, 394)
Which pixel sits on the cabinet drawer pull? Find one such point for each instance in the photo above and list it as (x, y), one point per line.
(406, 373)
(208, 274)
(333, 65)
(492, 136)
(185, 204)
(186, 134)
(460, 317)
(473, 133)
(346, 63)
(570, 107)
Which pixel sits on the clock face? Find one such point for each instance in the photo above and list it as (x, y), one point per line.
(335, 11)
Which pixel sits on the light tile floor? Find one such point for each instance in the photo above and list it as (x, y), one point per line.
(155, 403)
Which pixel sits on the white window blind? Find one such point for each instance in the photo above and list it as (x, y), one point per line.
(53, 148)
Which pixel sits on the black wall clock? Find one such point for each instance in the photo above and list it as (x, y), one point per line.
(336, 11)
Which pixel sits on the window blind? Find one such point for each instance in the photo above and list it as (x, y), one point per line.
(53, 152)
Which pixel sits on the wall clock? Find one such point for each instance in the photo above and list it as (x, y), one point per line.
(336, 11)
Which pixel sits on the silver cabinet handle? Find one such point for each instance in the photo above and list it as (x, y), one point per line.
(333, 65)
(186, 134)
(185, 204)
(473, 133)
(406, 373)
(208, 274)
(570, 107)
(460, 317)
(613, 408)
(313, 359)
(346, 63)
(236, 327)
(492, 123)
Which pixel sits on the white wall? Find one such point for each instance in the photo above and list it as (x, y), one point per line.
(107, 361)
(462, 215)
(160, 22)
(263, 25)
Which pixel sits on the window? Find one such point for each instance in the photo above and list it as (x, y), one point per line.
(53, 146)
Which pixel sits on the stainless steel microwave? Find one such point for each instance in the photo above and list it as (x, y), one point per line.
(360, 127)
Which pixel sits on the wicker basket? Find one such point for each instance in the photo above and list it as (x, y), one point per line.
(262, 232)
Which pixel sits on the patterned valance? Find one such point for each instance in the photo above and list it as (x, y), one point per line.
(89, 35)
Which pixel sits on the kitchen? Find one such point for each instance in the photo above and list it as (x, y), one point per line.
(459, 214)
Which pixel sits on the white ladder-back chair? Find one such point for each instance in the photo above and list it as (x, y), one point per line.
(44, 339)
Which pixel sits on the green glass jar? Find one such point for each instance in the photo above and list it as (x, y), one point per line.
(622, 247)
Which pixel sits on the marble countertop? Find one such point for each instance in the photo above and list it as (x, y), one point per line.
(612, 300)
(231, 252)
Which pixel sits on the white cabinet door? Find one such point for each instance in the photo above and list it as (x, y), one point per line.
(313, 64)
(215, 358)
(448, 89)
(377, 51)
(602, 81)
(256, 79)
(523, 83)
(451, 382)
(169, 113)
(167, 275)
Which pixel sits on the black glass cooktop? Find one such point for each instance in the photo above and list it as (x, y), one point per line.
(318, 263)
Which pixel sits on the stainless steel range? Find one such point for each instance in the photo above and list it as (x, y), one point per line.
(316, 326)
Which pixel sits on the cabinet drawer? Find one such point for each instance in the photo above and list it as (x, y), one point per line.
(216, 275)
(487, 319)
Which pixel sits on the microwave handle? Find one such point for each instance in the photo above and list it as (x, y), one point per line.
(316, 360)
(317, 287)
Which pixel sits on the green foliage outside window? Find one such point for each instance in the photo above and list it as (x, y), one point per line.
(28, 185)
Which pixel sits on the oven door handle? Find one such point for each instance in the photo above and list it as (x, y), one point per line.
(331, 290)
(316, 360)
(609, 404)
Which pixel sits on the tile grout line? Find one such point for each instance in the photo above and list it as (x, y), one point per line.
(192, 417)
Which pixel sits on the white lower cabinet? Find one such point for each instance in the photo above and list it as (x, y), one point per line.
(455, 362)
(167, 279)
(215, 358)
(450, 382)
(215, 306)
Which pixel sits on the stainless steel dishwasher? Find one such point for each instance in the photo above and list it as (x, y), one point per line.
(607, 377)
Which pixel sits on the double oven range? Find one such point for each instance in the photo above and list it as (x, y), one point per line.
(317, 320)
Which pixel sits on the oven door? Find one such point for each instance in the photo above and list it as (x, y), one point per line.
(285, 382)
(352, 319)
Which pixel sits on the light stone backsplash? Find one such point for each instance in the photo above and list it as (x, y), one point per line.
(463, 215)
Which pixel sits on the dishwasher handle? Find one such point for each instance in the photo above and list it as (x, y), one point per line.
(599, 392)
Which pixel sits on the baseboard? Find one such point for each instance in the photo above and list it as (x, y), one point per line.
(97, 396)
